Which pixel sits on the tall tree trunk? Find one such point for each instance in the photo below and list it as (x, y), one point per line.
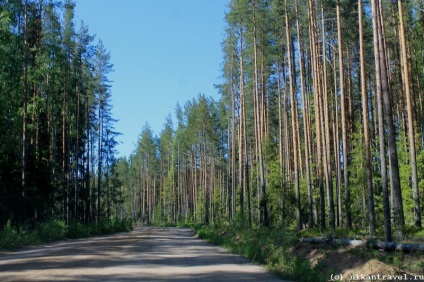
(246, 159)
(77, 142)
(305, 119)
(325, 121)
(380, 114)
(280, 138)
(259, 128)
(367, 137)
(411, 137)
(99, 156)
(107, 178)
(64, 152)
(87, 169)
(293, 106)
(241, 131)
(316, 73)
(25, 116)
(344, 124)
(397, 205)
(381, 65)
(205, 183)
(336, 142)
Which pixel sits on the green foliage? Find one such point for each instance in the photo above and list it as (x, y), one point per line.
(405, 173)
(200, 211)
(413, 232)
(78, 230)
(275, 189)
(12, 237)
(60, 84)
(9, 236)
(52, 230)
(268, 246)
(336, 233)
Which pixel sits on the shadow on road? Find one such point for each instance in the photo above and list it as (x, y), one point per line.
(145, 254)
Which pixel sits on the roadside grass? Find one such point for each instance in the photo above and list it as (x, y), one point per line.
(274, 248)
(262, 245)
(53, 230)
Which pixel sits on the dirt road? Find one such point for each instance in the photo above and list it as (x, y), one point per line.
(145, 254)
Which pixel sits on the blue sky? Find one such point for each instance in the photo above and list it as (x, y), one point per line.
(163, 51)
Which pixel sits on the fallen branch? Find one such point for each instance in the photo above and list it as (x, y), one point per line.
(387, 246)
(392, 246)
(329, 241)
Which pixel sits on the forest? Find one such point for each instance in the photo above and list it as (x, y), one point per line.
(57, 135)
(320, 123)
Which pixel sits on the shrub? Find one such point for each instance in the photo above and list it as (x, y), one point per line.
(9, 237)
(12, 237)
(51, 230)
(78, 230)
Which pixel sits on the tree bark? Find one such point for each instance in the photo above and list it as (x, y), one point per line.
(305, 120)
(293, 106)
(411, 137)
(378, 89)
(259, 128)
(325, 121)
(344, 124)
(397, 205)
(25, 116)
(316, 76)
(368, 160)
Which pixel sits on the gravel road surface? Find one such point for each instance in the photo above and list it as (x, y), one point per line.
(145, 254)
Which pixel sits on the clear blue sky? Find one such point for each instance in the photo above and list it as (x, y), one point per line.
(163, 51)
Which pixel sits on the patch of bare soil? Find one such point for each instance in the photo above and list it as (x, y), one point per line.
(359, 264)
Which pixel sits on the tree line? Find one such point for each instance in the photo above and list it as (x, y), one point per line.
(57, 137)
(319, 124)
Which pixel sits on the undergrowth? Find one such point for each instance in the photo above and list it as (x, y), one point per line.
(18, 236)
(262, 245)
(409, 234)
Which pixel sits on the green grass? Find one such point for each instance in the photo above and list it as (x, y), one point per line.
(262, 245)
(336, 233)
(13, 237)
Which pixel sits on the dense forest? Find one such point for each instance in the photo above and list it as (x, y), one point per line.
(57, 137)
(320, 123)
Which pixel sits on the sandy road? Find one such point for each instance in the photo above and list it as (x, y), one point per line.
(145, 254)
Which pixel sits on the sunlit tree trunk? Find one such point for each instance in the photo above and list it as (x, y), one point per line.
(280, 137)
(316, 76)
(411, 137)
(379, 100)
(336, 142)
(397, 204)
(325, 122)
(367, 137)
(259, 128)
(344, 124)
(293, 106)
(305, 119)
(241, 127)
